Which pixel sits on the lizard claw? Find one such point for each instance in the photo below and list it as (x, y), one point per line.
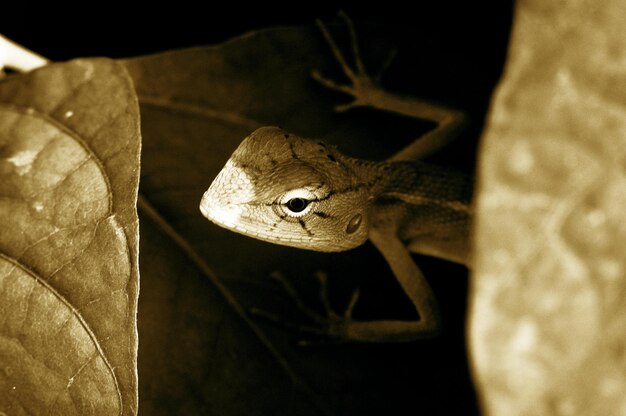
(330, 84)
(362, 86)
(390, 57)
(346, 89)
(342, 108)
(328, 327)
(322, 278)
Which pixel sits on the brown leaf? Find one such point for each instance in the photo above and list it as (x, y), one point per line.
(69, 153)
(199, 351)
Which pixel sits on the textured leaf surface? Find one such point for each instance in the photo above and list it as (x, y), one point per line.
(548, 324)
(69, 166)
(197, 351)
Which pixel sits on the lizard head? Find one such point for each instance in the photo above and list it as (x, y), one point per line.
(288, 190)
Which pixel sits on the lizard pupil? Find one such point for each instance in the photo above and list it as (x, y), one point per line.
(297, 204)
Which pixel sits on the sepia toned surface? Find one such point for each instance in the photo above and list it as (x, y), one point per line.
(548, 322)
(69, 167)
(199, 354)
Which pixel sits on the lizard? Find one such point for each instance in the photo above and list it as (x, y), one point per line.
(299, 192)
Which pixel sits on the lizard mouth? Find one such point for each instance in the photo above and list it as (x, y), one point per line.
(225, 215)
(224, 202)
(203, 207)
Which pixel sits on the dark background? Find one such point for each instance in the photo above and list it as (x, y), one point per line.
(108, 29)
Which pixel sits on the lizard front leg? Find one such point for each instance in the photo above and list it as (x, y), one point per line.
(343, 328)
(367, 91)
(333, 327)
(413, 284)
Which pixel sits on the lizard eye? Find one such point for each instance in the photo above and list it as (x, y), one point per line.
(297, 202)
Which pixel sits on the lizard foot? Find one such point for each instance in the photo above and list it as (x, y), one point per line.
(364, 88)
(329, 327)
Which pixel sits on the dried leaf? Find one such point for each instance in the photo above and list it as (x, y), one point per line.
(69, 154)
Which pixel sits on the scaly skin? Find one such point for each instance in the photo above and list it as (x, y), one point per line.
(288, 190)
(303, 193)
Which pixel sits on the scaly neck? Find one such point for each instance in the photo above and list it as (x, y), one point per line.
(416, 183)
